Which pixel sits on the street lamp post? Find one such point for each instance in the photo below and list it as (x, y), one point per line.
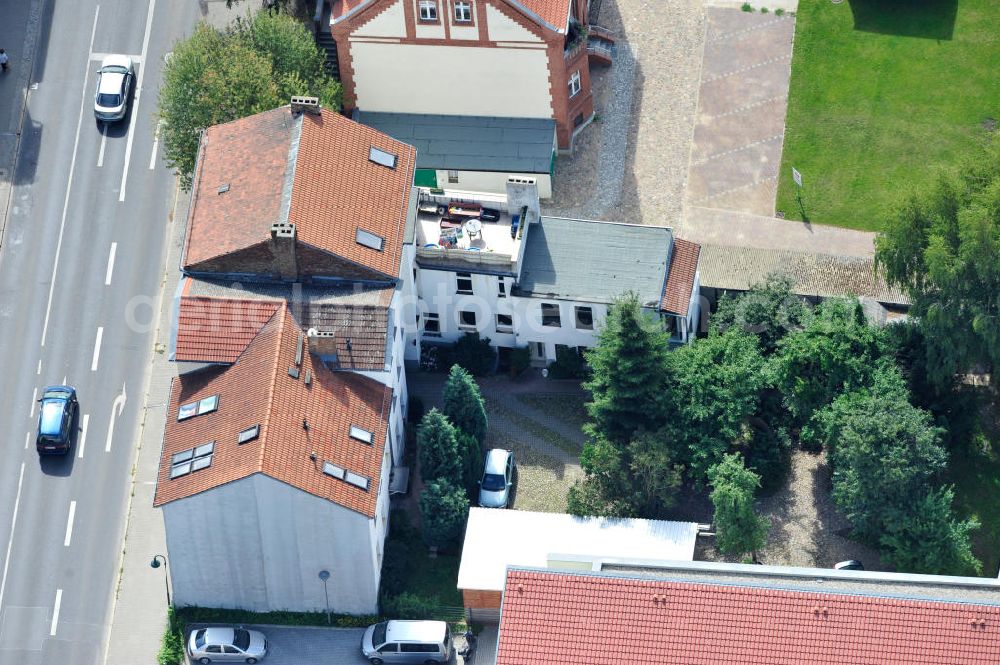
(155, 563)
(325, 575)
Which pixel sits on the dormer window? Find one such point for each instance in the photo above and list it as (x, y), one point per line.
(428, 10)
(463, 12)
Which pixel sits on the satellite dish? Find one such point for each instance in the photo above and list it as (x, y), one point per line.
(312, 332)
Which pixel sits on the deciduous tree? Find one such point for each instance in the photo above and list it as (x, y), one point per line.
(218, 76)
(768, 311)
(942, 246)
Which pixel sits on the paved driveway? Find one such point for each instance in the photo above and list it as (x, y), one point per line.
(309, 645)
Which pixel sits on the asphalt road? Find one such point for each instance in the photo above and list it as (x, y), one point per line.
(80, 269)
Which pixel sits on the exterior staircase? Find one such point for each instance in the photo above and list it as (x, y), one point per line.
(600, 44)
(321, 28)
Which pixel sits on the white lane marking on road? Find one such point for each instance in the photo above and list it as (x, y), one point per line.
(111, 264)
(69, 182)
(34, 401)
(83, 436)
(156, 145)
(10, 541)
(119, 404)
(104, 142)
(69, 524)
(97, 57)
(135, 107)
(55, 613)
(27, 439)
(97, 349)
(39, 370)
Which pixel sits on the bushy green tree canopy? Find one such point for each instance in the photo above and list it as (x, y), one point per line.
(836, 351)
(738, 529)
(931, 540)
(943, 246)
(215, 76)
(768, 311)
(444, 508)
(437, 442)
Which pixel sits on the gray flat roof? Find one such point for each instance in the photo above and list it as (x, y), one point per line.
(471, 143)
(590, 261)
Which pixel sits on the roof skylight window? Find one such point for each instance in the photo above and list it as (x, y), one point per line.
(369, 239)
(382, 157)
(361, 435)
(333, 470)
(249, 434)
(357, 480)
(202, 406)
(192, 459)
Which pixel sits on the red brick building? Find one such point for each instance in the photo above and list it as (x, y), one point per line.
(483, 58)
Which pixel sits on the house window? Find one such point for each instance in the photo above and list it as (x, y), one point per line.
(464, 282)
(467, 319)
(550, 315)
(249, 434)
(192, 459)
(463, 11)
(202, 406)
(432, 326)
(428, 10)
(505, 323)
(584, 318)
(501, 288)
(452, 177)
(362, 435)
(574, 83)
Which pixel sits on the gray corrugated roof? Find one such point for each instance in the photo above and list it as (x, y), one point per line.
(471, 143)
(824, 275)
(574, 259)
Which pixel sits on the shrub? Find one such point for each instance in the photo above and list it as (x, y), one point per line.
(747, 7)
(779, 12)
(395, 564)
(520, 360)
(568, 364)
(172, 644)
(408, 605)
(472, 352)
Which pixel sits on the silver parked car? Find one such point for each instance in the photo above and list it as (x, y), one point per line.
(418, 642)
(114, 82)
(498, 478)
(227, 645)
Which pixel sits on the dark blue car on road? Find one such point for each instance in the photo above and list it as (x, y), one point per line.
(56, 418)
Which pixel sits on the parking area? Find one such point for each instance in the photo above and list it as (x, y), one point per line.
(307, 645)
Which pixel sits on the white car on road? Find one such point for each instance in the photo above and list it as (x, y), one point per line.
(114, 83)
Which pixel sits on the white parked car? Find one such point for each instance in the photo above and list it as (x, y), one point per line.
(226, 645)
(114, 83)
(498, 478)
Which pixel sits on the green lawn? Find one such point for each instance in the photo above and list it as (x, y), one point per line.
(883, 93)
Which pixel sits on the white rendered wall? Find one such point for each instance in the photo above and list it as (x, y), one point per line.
(492, 182)
(259, 544)
(397, 78)
(500, 28)
(389, 23)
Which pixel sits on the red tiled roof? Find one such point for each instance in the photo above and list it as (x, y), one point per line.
(216, 330)
(251, 156)
(680, 277)
(337, 190)
(329, 191)
(553, 12)
(570, 619)
(257, 390)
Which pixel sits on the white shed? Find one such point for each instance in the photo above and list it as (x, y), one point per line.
(496, 539)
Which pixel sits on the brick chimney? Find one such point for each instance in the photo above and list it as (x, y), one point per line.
(306, 104)
(282, 245)
(323, 343)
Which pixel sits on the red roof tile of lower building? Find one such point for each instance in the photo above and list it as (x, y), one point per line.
(680, 277)
(217, 330)
(551, 618)
(295, 419)
(553, 12)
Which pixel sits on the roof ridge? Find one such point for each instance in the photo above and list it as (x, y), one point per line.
(272, 380)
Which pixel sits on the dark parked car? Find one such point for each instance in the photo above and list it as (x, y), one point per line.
(56, 418)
